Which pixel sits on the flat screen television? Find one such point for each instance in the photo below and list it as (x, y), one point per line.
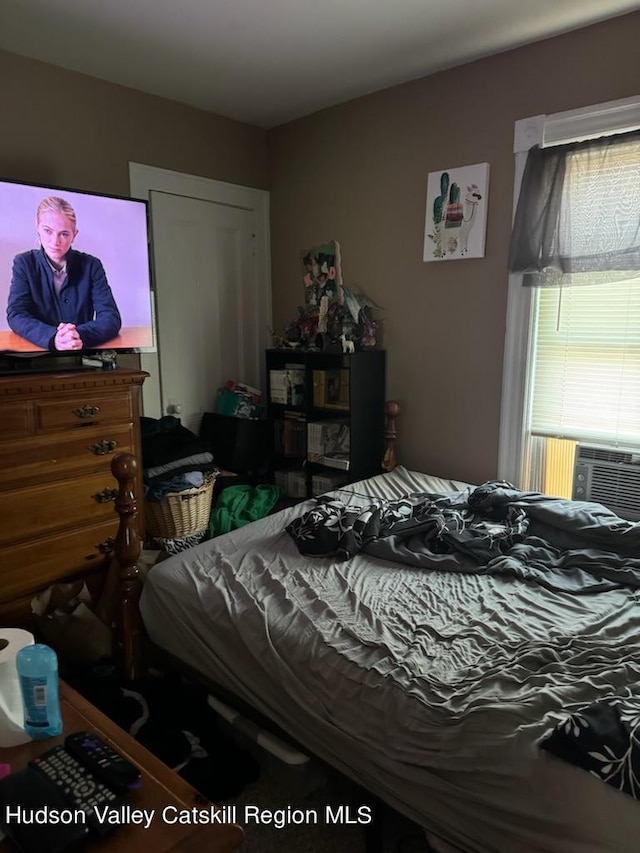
(75, 273)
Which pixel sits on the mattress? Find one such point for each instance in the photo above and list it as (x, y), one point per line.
(431, 689)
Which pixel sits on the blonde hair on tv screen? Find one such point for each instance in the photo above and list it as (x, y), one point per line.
(55, 204)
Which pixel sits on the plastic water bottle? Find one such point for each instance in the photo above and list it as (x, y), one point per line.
(38, 673)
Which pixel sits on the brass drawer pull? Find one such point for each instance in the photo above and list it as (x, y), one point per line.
(103, 447)
(105, 496)
(86, 411)
(107, 546)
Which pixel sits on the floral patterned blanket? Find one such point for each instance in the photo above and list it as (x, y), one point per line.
(567, 546)
(604, 739)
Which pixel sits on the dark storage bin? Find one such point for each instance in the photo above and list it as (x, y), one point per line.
(238, 444)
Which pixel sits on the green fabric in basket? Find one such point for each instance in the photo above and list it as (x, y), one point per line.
(239, 505)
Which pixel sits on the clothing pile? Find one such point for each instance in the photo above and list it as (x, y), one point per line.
(174, 458)
(171, 452)
(242, 504)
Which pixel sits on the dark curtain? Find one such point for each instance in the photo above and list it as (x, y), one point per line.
(578, 214)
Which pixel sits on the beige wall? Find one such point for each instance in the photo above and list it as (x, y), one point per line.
(64, 128)
(357, 173)
(67, 129)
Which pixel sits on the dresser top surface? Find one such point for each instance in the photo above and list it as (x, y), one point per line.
(35, 384)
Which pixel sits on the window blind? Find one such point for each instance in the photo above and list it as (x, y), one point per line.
(586, 358)
(586, 380)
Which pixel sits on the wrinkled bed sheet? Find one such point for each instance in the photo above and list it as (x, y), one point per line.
(432, 689)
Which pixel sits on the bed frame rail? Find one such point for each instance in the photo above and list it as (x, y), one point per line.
(118, 606)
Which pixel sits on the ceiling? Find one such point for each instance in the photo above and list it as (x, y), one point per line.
(267, 62)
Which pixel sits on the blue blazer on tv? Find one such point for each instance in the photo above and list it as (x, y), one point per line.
(34, 309)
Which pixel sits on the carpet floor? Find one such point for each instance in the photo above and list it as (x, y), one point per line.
(279, 809)
(388, 832)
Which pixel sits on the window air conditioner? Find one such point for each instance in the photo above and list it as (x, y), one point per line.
(609, 476)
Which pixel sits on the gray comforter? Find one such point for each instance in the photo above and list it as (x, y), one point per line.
(433, 689)
(564, 545)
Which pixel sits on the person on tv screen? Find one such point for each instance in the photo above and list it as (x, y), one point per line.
(59, 298)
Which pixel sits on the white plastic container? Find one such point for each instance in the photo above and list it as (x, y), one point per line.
(278, 760)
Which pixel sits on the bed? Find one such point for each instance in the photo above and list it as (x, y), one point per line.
(431, 687)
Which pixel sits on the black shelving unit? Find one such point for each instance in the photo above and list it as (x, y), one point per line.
(314, 387)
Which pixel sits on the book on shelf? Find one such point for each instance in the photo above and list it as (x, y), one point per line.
(293, 483)
(327, 481)
(331, 389)
(327, 437)
(286, 386)
(278, 388)
(296, 379)
(290, 434)
(318, 387)
(335, 460)
(294, 435)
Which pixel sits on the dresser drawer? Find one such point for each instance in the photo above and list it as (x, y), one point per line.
(16, 419)
(53, 456)
(59, 433)
(53, 558)
(79, 411)
(37, 510)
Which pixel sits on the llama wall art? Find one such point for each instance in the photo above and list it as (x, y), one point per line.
(456, 214)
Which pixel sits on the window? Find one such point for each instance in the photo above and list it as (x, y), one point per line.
(572, 354)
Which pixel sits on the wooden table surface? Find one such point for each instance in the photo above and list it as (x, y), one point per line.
(161, 789)
(130, 336)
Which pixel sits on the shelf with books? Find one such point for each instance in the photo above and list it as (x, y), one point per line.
(289, 434)
(328, 443)
(335, 431)
(331, 389)
(287, 385)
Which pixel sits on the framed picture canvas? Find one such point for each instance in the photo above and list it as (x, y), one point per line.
(322, 274)
(456, 213)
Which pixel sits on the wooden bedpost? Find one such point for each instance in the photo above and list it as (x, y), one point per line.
(126, 616)
(391, 411)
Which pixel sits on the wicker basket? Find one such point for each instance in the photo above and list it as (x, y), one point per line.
(180, 514)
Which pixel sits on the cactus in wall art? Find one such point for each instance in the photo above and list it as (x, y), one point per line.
(439, 201)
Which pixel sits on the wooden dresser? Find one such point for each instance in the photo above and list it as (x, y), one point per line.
(58, 433)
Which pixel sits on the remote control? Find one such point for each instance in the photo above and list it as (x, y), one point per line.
(103, 761)
(77, 784)
(29, 789)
